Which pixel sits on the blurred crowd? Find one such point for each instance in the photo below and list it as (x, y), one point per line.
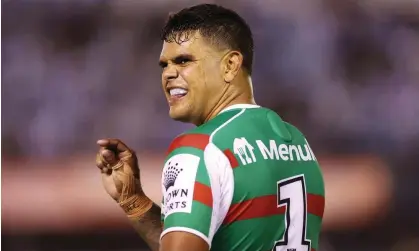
(74, 71)
(345, 72)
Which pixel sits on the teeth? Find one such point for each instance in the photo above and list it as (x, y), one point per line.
(178, 91)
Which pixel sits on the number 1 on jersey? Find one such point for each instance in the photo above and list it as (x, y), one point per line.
(292, 194)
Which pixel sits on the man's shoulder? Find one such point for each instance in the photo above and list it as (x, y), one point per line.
(199, 137)
(196, 140)
(239, 123)
(193, 141)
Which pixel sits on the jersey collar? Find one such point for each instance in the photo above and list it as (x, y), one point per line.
(239, 106)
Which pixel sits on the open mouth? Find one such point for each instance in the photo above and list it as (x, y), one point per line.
(178, 93)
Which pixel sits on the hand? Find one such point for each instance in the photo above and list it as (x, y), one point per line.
(121, 176)
(119, 168)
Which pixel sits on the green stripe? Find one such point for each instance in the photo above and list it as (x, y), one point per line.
(202, 174)
(215, 123)
(260, 233)
(255, 180)
(252, 234)
(199, 219)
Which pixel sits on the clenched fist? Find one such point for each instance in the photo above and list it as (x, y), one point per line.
(121, 176)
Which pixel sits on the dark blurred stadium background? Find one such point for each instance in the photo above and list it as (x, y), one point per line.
(345, 72)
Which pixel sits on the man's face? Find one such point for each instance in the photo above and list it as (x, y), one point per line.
(191, 78)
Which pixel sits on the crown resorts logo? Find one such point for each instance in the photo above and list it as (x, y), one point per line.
(178, 183)
(171, 174)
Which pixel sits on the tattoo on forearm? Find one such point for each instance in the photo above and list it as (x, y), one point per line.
(149, 227)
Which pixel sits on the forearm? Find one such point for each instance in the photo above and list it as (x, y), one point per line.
(149, 227)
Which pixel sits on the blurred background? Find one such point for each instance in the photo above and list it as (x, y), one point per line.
(345, 72)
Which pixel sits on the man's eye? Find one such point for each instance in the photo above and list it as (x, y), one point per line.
(182, 61)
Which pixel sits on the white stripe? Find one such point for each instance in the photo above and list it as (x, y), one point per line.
(225, 123)
(222, 185)
(239, 106)
(188, 230)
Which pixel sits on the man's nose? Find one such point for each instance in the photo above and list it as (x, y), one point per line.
(170, 73)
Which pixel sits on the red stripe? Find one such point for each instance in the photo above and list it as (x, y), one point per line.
(315, 204)
(267, 206)
(230, 156)
(199, 141)
(203, 194)
(253, 208)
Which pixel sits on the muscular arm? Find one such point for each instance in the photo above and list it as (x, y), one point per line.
(149, 227)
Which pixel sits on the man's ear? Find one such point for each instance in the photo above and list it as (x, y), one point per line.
(231, 64)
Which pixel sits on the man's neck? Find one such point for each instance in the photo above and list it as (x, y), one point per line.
(233, 94)
(224, 105)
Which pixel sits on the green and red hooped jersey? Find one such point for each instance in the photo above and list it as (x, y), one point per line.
(246, 181)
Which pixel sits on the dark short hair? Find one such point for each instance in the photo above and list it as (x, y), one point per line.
(222, 27)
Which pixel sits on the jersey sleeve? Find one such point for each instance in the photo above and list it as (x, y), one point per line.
(192, 192)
